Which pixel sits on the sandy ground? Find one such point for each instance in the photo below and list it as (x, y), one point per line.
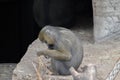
(104, 55)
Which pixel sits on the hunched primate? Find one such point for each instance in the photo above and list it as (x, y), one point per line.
(64, 48)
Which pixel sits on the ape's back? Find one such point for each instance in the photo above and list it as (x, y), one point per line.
(73, 45)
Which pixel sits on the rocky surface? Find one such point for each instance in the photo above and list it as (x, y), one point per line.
(106, 18)
(6, 71)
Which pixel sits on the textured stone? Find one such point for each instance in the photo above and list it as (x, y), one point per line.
(106, 18)
(6, 71)
(25, 69)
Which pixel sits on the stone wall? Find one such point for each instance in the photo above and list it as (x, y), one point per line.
(106, 18)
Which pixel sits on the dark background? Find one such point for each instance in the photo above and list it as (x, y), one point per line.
(18, 27)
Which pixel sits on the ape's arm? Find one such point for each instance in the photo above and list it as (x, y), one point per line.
(56, 54)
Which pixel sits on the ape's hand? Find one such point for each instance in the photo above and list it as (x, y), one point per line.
(40, 53)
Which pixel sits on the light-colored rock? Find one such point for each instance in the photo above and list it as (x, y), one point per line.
(6, 70)
(106, 19)
(25, 68)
